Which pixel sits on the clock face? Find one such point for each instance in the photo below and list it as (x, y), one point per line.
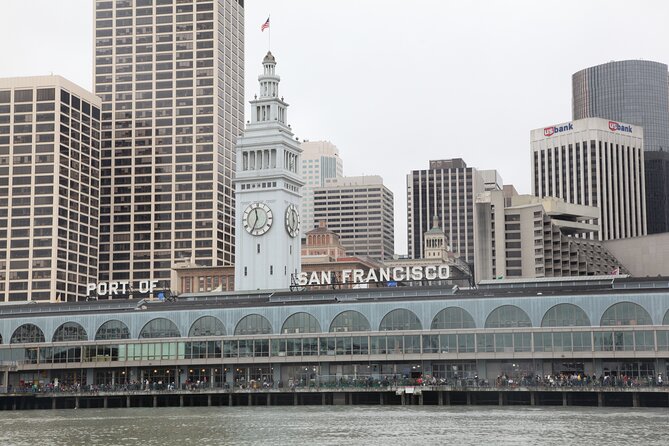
(257, 218)
(292, 220)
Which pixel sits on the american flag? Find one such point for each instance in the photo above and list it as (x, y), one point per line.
(265, 25)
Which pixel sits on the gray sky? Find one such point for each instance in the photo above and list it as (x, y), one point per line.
(395, 83)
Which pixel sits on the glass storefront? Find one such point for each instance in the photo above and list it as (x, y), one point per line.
(339, 345)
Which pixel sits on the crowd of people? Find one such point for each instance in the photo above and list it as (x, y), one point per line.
(359, 382)
(580, 380)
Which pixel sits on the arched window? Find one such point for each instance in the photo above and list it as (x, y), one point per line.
(626, 313)
(70, 331)
(507, 316)
(0, 339)
(565, 315)
(350, 321)
(400, 319)
(451, 318)
(159, 328)
(27, 333)
(207, 326)
(112, 330)
(253, 324)
(665, 321)
(301, 323)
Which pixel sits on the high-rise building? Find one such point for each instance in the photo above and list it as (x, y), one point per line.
(656, 171)
(594, 162)
(320, 162)
(171, 78)
(361, 211)
(636, 92)
(49, 186)
(526, 236)
(446, 190)
(267, 187)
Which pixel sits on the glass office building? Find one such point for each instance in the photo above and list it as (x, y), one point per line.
(635, 92)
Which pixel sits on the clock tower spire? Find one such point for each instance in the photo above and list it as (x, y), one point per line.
(267, 192)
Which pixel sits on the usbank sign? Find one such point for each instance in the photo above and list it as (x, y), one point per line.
(618, 127)
(550, 131)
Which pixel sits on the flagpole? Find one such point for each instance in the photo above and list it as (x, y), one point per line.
(269, 34)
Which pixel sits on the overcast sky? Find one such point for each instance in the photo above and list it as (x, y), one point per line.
(395, 83)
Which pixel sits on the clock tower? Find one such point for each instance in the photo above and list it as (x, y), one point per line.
(267, 192)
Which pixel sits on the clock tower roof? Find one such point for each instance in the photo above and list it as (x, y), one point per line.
(269, 58)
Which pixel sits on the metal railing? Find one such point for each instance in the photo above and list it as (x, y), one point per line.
(354, 383)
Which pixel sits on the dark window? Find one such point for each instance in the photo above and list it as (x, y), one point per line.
(45, 94)
(23, 96)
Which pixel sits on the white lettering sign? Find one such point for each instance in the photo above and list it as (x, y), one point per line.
(395, 274)
(119, 287)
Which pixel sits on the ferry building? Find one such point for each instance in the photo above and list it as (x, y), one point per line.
(591, 326)
(264, 335)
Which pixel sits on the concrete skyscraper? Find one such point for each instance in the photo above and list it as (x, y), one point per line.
(320, 162)
(171, 78)
(528, 236)
(635, 92)
(49, 188)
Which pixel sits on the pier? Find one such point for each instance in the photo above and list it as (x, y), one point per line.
(398, 396)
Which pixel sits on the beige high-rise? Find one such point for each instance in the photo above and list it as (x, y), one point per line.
(49, 188)
(361, 211)
(171, 77)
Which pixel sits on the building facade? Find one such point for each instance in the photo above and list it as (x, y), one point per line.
(320, 162)
(322, 241)
(530, 237)
(599, 326)
(594, 162)
(188, 277)
(636, 92)
(645, 256)
(446, 190)
(361, 211)
(49, 189)
(171, 78)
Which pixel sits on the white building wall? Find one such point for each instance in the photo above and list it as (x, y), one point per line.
(606, 160)
(268, 173)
